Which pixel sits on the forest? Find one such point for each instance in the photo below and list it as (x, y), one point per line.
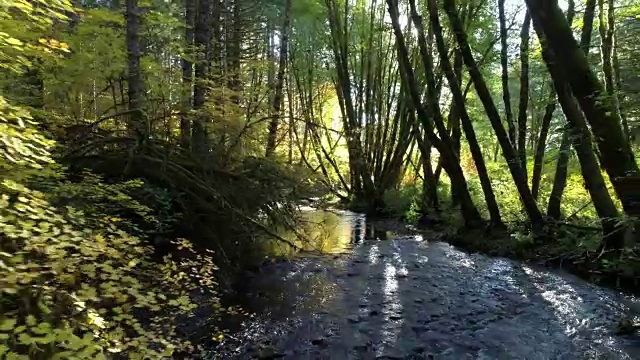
(148, 145)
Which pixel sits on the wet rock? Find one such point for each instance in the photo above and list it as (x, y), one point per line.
(419, 329)
(418, 349)
(392, 354)
(395, 317)
(354, 319)
(361, 348)
(374, 313)
(319, 342)
(418, 301)
(269, 354)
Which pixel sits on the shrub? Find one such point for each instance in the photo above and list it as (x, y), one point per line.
(73, 283)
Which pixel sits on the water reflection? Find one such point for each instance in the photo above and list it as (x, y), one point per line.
(395, 267)
(325, 232)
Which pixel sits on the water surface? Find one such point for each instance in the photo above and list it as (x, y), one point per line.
(377, 295)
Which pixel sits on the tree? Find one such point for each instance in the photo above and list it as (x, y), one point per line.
(277, 98)
(504, 62)
(483, 92)
(524, 92)
(443, 143)
(459, 102)
(598, 109)
(187, 73)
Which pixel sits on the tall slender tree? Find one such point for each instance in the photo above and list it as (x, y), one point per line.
(279, 85)
(510, 155)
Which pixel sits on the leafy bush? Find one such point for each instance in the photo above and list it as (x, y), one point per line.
(403, 203)
(73, 283)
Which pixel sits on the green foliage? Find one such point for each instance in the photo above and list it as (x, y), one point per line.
(21, 144)
(23, 24)
(72, 280)
(403, 203)
(73, 283)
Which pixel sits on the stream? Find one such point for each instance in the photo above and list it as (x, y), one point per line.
(371, 294)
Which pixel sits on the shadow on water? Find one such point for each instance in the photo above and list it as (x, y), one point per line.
(379, 295)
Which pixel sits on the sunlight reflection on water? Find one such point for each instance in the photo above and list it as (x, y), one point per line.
(393, 309)
(374, 253)
(569, 309)
(457, 257)
(392, 306)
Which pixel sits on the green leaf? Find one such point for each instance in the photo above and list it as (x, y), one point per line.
(8, 324)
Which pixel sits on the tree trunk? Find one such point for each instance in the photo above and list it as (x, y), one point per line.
(560, 179)
(429, 186)
(429, 202)
(587, 26)
(593, 180)
(454, 120)
(606, 27)
(187, 74)
(618, 81)
(201, 38)
(581, 139)
(470, 213)
(362, 184)
(134, 79)
(531, 208)
(524, 92)
(277, 98)
(597, 107)
(541, 145)
(459, 101)
(573, 113)
(234, 46)
(504, 62)
(291, 123)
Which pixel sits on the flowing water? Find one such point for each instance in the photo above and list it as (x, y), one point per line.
(379, 295)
